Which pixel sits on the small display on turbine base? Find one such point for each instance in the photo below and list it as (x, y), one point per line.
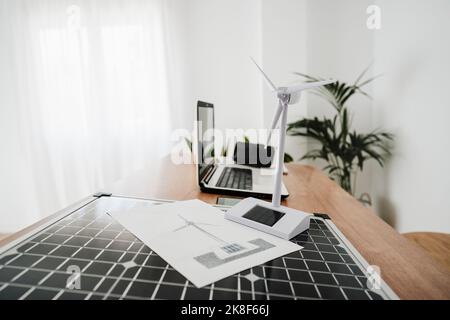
(264, 215)
(279, 221)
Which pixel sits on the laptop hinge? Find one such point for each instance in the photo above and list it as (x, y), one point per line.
(322, 215)
(209, 174)
(102, 194)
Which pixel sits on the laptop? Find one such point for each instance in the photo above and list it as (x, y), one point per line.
(227, 179)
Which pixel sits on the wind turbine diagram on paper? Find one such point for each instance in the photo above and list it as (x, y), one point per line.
(196, 225)
(226, 251)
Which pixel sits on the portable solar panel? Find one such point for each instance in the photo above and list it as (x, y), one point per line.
(84, 254)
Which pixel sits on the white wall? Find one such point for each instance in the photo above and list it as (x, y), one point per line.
(413, 49)
(340, 46)
(220, 37)
(283, 36)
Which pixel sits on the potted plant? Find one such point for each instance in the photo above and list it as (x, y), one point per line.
(344, 150)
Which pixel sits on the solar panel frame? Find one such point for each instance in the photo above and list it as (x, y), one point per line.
(114, 264)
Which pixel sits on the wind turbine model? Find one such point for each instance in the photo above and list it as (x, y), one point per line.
(275, 219)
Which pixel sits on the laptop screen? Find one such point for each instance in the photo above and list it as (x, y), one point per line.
(205, 137)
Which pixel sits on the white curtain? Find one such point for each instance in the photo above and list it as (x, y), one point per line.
(84, 99)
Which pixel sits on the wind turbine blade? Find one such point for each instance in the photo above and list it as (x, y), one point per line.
(182, 227)
(308, 85)
(269, 82)
(276, 117)
(205, 224)
(184, 219)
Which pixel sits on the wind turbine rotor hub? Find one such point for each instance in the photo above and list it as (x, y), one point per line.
(284, 97)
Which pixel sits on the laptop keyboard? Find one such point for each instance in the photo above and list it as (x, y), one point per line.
(235, 178)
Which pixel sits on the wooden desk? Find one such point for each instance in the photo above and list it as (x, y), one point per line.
(408, 270)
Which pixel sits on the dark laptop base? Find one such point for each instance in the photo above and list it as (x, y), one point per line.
(238, 193)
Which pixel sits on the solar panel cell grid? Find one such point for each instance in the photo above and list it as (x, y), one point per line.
(114, 264)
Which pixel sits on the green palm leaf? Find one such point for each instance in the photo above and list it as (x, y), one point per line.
(345, 151)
